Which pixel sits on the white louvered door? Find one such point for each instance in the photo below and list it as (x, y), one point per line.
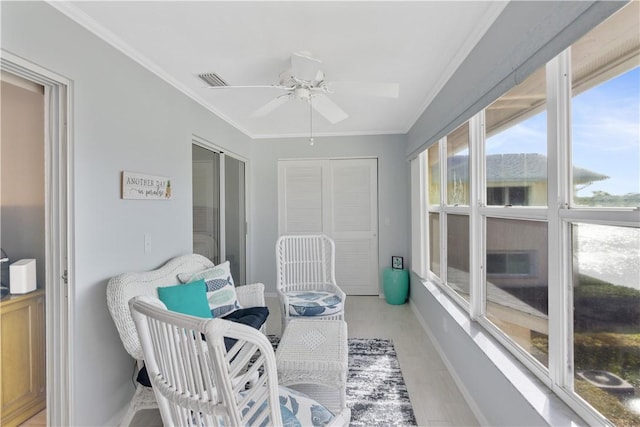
(337, 197)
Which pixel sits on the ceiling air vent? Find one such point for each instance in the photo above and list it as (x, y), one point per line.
(212, 79)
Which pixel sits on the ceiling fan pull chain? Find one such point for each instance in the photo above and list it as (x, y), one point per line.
(310, 123)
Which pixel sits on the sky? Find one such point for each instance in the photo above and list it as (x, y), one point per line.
(605, 134)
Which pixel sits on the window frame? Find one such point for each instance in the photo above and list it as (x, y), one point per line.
(559, 214)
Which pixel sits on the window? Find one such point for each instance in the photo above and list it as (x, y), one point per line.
(606, 113)
(448, 207)
(516, 145)
(555, 228)
(605, 269)
(606, 336)
(516, 244)
(433, 197)
(458, 166)
(433, 174)
(517, 284)
(434, 243)
(458, 254)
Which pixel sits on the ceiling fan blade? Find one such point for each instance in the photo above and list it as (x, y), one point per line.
(386, 90)
(328, 109)
(304, 67)
(271, 106)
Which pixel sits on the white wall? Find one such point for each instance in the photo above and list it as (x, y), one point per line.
(124, 119)
(393, 193)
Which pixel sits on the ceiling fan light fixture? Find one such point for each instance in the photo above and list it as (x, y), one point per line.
(301, 92)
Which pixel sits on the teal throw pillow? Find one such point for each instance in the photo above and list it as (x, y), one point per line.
(190, 298)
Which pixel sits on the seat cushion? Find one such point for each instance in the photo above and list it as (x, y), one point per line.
(252, 316)
(314, 303)
(297, 409)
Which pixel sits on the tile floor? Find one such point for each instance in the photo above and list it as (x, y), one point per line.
(435, 398)
(434, 395)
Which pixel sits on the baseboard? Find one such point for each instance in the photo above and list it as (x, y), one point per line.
(456, 378)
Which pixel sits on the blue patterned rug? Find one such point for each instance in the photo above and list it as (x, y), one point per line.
(376, 392)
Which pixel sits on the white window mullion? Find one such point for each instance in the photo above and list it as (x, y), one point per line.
(477, 195)
(443, 210)
(559, 248)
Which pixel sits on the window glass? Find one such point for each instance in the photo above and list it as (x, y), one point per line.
(458, 166)
(434, 243)
(516, 145)
(514, 263)
(606, 341)
(606, 113)
(517, 282)
(458, 254)
(433, 172)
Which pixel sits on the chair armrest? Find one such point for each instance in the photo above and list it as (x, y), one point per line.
(338, 291)
(251, 295)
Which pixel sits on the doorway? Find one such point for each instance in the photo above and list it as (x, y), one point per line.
(339, 198)
(54, 256)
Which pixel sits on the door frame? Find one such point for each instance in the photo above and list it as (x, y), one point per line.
(59, 232)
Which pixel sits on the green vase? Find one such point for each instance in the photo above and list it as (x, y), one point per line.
(396, 285)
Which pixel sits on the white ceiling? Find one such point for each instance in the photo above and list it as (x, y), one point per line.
(417, 44)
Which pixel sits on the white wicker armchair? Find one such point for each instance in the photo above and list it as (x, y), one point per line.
(306, 280)
(124, 287)
(198, 381)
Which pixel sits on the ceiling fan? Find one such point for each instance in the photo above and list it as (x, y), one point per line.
(306, 81)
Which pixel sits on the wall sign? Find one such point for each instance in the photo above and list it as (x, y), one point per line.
(143, 186)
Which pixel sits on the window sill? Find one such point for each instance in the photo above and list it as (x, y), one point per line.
(535, 393)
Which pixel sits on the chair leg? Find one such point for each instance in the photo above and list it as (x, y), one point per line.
(143, 398)
(284, 318)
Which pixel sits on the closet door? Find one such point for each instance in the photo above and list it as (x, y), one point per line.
(353, 224)
(300, 196)
(338, 198)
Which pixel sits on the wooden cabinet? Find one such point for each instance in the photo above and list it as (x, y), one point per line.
(22, 357)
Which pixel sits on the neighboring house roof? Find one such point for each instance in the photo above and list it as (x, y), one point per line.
(517, 167)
